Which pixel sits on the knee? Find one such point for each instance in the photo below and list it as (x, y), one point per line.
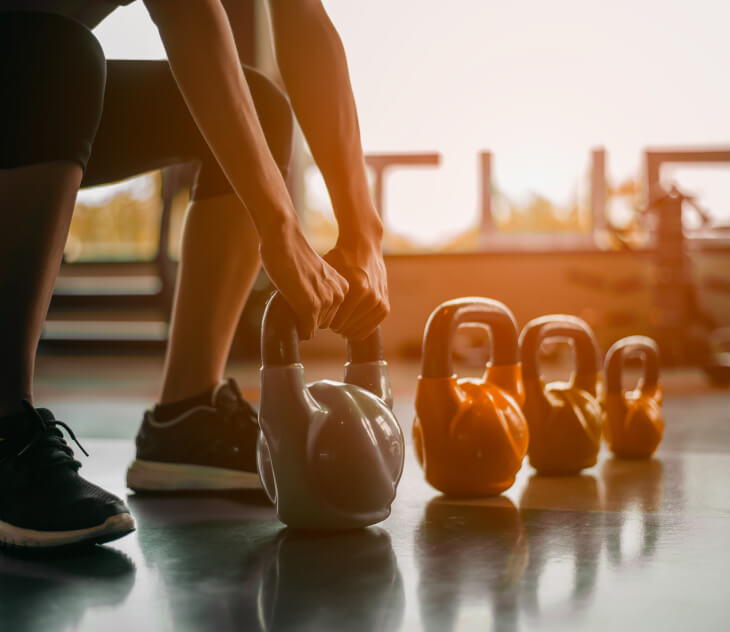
(58, 73)
(83, 87)
(275, 115)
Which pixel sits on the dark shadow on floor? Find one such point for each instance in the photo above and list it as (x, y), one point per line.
(49, 591)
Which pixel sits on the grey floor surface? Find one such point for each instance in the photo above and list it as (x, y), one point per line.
(625, 546)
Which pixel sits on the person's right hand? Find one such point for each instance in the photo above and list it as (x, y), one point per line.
(312, 288)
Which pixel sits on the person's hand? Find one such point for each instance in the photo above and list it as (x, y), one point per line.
(312, 288)
(366, 303)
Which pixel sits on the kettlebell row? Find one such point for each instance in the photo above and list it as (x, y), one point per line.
(330, 454)
(471, 435)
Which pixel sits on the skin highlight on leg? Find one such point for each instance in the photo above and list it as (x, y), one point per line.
(219, 262)
(36, 205)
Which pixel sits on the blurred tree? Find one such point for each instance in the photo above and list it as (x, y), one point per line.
(123, 227)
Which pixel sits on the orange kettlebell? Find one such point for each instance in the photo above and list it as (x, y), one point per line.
(470, 434)
(565, 418)
(634, 421)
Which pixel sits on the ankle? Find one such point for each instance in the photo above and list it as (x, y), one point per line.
(13, 405)
(166, 411)
(176, 388)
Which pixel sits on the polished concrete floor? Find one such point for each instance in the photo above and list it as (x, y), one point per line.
(626, 546)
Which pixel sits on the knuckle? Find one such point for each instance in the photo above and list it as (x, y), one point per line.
(373, 302)
(359, 285)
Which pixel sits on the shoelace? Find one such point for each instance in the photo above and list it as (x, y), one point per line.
(49, 442)
(237, 412)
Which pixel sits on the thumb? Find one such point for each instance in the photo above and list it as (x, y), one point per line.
(334, 258)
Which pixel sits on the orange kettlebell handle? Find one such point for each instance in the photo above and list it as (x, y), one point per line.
(443, 323)
(561, 326)
(641, 346)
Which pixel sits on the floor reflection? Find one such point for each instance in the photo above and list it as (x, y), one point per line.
(636, 490)
(50, 592)
(226, 569)
(209, 554)
(632, 485)
(469, 556)
(565, 546)
(569, 520)
(343, 581)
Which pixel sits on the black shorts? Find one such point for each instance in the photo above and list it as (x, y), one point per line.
(61, 100)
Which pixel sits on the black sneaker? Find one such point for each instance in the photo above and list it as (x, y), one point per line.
(207, 448)
(43, 500)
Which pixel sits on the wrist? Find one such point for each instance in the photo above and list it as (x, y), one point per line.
(358, 223)
(277, 227)
(362, 235)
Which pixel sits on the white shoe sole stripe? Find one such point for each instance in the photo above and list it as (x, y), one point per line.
(155, 476)
(111, 528)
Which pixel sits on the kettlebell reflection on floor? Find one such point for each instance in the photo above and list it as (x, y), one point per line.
(226, 569)
(337, 581)
(635, 488)
(470, 556)
(564, 524)
(568, 520)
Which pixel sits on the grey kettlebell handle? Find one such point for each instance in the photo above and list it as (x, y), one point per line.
(368, 350)
(280, 339)
(443, 323)
(279, 336)
(559, 326)
(632, 345)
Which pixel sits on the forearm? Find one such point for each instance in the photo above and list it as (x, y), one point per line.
(204, 61)
(314, 68)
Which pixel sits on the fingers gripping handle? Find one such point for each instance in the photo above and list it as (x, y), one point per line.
(642, 346)
(444, 321)
(280, 347)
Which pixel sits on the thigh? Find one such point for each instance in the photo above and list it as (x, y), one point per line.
(146, 125)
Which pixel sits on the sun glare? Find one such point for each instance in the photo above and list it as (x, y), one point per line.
(538, 84)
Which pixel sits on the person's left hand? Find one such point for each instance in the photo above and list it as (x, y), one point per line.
(366, 303)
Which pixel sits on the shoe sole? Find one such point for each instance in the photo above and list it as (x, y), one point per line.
(164, 477)
(111, 529)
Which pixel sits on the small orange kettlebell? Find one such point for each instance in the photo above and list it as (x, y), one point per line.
(470, 434)
(565, 418)
(634, 422)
